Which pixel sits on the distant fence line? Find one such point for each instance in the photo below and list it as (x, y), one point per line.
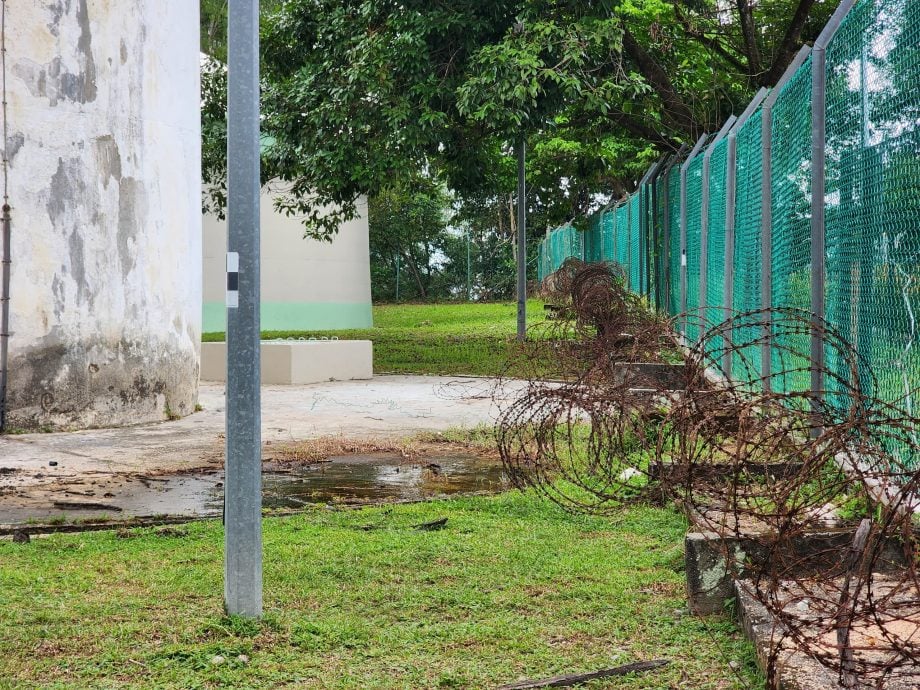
(808, 199)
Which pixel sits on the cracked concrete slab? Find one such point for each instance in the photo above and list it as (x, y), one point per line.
(386, 406)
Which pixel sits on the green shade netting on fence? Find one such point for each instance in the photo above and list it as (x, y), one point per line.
(746, 293)
(590, 236)
(635, 250)
(791, 213)
(673, 212)
(872, 202)
(715, 240)
(621, 253)
(694, 218)
(607, 230)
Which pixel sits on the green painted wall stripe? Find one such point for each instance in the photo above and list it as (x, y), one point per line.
(299, 316)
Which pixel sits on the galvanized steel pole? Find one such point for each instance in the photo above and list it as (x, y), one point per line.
(521, 244)
(468, 265)
(243, 481)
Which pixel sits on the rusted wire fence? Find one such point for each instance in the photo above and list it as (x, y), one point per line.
(772, 470)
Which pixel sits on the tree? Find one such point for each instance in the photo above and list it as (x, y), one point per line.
(408, 230)
(356, 92)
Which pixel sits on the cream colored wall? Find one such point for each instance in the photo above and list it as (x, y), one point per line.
(104, 137)
(306, 284)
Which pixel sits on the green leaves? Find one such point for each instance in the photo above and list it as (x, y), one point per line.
(358, 92)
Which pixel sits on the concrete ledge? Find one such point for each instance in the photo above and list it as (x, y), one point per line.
(710, 575)
(298, 361)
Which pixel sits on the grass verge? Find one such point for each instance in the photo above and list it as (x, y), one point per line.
(450, 339)
(511, 587)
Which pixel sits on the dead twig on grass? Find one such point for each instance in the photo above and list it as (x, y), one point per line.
(570, 680)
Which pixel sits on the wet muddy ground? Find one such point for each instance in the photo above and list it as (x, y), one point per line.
(351, 479)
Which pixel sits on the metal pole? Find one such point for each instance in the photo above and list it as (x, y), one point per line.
(643, 229)
(243, 482)
(766, 211)
(4, 311)
(397, 277)
(647, 228)
(521, 243)
(683, 230)
(6, 248)
(704, 223)
(468, 265)
(656, 273)
(666, 227)
(818, 133)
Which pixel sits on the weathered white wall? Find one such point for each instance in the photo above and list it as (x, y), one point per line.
(306, 285)
(104, 142)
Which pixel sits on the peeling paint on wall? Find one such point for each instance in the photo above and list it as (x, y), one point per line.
(104, 144)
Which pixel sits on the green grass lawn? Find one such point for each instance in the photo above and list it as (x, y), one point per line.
(455, 338)
(511, 587)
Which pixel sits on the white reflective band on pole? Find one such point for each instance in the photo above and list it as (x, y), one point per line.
(233, 280)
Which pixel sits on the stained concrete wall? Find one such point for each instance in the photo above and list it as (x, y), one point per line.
(104, 182)
(306, 285)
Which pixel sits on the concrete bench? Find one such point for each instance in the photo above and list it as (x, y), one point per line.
(298, 361)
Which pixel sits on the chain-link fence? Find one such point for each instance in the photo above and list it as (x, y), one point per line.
(809, 200)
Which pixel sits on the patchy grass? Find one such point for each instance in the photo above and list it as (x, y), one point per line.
(455, 338)
(511, 587)
(478, 440)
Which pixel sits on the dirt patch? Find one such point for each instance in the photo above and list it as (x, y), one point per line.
(427, 445)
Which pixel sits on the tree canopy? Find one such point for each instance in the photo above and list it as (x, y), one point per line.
(361, 92)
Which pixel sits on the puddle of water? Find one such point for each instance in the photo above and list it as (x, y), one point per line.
(347, 479)
(364, 478)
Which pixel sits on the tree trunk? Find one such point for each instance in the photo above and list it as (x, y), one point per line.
(413, 269)
(789, 45)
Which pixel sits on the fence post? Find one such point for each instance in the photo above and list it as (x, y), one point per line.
(766, 212)
(665, 282)
(521, 241)
(704, 221)
(643, 238)
(655, 272)
(683, 230)
(818, 133)
(653, 252)
(731, 177)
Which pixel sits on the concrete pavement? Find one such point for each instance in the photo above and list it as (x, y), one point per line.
(386, 406)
